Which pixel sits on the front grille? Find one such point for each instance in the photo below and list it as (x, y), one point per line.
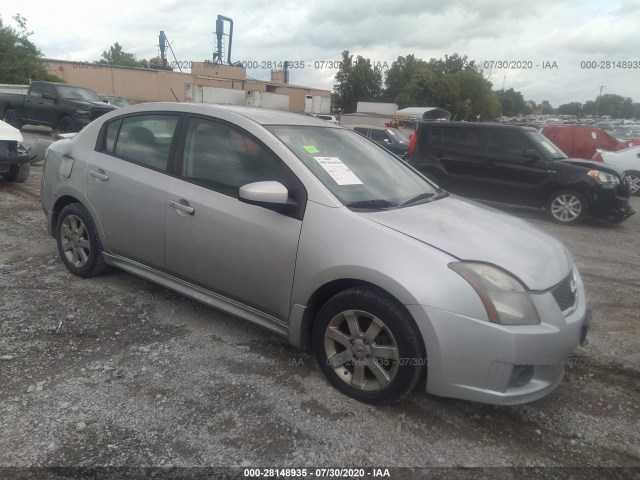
(565, 293)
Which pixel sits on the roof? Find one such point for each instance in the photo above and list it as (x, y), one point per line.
(423, 113)
(262, 116)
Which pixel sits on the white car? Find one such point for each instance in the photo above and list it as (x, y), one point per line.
(627, 160)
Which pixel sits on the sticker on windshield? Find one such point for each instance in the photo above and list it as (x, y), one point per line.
(593, 135)
(310, 149)
(338, 171)
(548, 146)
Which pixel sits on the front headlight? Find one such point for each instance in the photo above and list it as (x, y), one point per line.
(505, 299)
(82, 113)
(605, 179)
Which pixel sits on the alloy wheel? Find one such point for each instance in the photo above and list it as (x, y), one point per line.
(566, 207)
(75, 241)
(362, 350)
(634, 183)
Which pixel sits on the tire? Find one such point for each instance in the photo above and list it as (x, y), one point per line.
(78, 241)
(11, 118)
(374, 370)
(65, 124)
(18, 173)
(634, 182)
(567, 207)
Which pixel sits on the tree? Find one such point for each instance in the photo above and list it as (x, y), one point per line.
(356, 81)
(452, 83)
(545, 108)
(571, 108)
(116, 56)
(512, 102)
(20, 59)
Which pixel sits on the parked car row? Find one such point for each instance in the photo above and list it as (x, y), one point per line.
(518, 165)
(320, 235)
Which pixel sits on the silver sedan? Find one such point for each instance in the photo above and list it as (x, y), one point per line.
(316, 233)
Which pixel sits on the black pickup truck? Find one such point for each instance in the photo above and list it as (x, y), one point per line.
(67, 108)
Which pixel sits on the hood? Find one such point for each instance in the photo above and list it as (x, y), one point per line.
(9, 133)
(470, 231)
(87, 105)
(591, 165)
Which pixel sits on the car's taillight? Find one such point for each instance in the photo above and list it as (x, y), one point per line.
(412, 142)
(598, 157)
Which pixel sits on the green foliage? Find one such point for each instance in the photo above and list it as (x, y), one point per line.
(615, 106)
(20, 59)
(116, 56)
(356, 81)
(545, 108)
(512, 102)
(453, 83)
(571, 108)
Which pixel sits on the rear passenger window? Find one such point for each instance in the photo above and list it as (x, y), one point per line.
(458, 138)
(145, 139)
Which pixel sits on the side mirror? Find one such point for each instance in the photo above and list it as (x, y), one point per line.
(267, 194)
(49, 96)
(532, 154)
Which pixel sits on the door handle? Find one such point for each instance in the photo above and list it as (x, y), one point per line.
(99, 174)
(182, 205)
(491, 163)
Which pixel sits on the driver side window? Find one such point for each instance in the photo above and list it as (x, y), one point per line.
(222, 158)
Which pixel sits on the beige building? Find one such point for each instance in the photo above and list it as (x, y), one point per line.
(145, 85)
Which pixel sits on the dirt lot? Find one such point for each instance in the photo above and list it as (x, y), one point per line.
(115, 371)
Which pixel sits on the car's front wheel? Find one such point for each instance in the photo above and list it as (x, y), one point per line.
(78, 241)
(568, 207)
(368, 346)
(18, 173)
(11, 118)
(633, 178)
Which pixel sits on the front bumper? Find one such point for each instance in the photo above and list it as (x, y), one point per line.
(612, 205)
(485, 362)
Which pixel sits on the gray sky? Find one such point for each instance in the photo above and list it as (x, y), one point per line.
(568, 33)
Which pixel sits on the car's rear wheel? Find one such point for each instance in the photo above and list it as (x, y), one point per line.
(18, 173)
(78, 241)
(368, 346)
(634, 182)
(568, 207)
(65, 124)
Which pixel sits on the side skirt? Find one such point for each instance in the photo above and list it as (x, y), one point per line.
(199, 294)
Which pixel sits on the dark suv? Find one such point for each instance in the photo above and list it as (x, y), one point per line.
(518, 165)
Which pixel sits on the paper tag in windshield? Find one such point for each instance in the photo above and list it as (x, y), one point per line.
(548, 147)
(593, 135)
(311, 149)
(338, 171)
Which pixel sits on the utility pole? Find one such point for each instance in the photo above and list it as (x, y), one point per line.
(598, 102)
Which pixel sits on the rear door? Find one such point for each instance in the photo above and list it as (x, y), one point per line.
(457, 154)
(126, 183)
(241, 251)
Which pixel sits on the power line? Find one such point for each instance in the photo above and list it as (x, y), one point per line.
(599, 95)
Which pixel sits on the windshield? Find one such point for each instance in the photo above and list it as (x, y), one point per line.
(548, 145)
(358, 172)
(79, 93)
(397, 136)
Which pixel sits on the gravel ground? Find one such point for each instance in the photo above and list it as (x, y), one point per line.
(115, 371)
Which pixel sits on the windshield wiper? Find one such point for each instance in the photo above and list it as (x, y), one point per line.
(425, 196)
(375, 204)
